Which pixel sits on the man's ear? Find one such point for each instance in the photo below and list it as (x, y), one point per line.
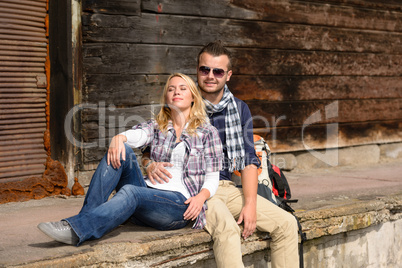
(229, 75)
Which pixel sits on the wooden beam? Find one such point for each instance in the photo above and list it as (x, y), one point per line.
(287, 139)
(117, 58)
(133, 90)
(305, 88)
(333, 13)
(323, 112)
(154, 28)
(126, 7)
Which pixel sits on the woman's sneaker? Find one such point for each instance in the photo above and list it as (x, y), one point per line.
(60, 231)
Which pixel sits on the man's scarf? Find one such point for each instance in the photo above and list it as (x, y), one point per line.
(233, 129)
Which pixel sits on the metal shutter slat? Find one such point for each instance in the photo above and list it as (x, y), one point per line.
(23, 95)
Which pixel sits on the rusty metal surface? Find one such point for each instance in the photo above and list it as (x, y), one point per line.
(8, 61)
(31, 171)
(23, 30)
(22, 111)
(5, 50)
(23, 94)
(13, 116)
(7, 159)
(25, 5)
(21, 105)
(22, 152)
(24, 45)
(22, 69)
(16, 11)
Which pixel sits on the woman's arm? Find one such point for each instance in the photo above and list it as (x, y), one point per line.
(116, 148)
(136, 137)
(133, 137)
(211, 182)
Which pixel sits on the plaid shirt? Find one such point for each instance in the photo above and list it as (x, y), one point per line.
(203, 154)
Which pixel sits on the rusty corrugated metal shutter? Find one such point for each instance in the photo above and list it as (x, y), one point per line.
(23, 50)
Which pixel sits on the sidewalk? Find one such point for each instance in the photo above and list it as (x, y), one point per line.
(343, 185)
(22, 242)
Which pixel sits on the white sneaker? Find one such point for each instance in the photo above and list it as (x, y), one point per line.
(60, 231)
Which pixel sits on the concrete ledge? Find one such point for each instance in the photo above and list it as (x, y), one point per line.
(351, 215)
(133, 246)
(359, 215)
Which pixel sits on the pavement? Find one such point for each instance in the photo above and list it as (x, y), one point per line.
(323, 188)
(21, 241)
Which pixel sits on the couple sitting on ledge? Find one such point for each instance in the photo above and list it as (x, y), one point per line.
(189, 172)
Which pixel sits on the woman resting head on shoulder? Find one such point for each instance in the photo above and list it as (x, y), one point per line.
(182, 140)
(182, 103)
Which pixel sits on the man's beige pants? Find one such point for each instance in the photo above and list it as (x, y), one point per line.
(225, 206)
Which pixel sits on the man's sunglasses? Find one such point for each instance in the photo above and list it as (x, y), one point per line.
(218, 73)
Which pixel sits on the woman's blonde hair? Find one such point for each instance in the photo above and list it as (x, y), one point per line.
(197, 116)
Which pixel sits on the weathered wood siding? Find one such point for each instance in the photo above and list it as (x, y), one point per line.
(295, 63)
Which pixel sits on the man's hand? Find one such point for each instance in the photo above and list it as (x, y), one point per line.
(248, 215)
(157, 172)
(116, 148)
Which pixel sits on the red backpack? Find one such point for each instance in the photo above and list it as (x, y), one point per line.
(272, 183)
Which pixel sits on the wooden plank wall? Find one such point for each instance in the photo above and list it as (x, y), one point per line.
(293, 60)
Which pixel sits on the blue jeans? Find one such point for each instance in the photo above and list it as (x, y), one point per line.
(133, 200)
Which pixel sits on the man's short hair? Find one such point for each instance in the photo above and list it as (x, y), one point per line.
(217, 49)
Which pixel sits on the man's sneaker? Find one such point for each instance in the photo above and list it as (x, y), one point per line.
(60, 231)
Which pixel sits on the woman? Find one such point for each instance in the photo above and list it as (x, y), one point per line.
(181, 135)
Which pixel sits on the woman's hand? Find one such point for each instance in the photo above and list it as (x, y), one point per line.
(156, 171)
(116, 148)
(195, 204)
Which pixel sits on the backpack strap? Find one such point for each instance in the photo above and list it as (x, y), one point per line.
(303, 238)
(279, 184)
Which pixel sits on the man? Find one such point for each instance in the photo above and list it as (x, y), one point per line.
(231, 205)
